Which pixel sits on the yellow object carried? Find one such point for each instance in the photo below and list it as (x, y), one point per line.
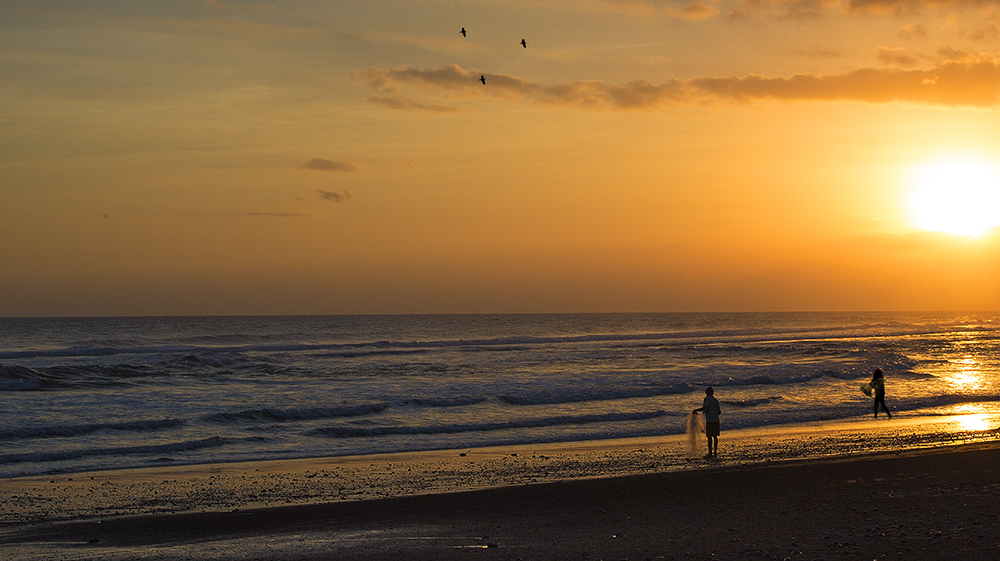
(867, 388)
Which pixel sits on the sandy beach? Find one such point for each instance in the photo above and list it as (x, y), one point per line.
(912, 488)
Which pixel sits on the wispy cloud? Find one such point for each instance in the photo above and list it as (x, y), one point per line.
(973, 80)
(275, 214)
(323, 164)
(683, 9)
(818, 53)
(335, 196)
(989, 31)
(591, 93)
(249, 7)
(912, 31)
(451, 76)
(896, 56)
(897, 7)
(408, 103)
(794, 10)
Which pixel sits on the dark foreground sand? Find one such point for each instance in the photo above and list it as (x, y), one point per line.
(914, 502)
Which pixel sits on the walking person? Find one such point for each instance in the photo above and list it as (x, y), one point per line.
(878, 390)
(710, 407)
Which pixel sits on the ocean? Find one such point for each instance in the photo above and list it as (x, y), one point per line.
(82, 394)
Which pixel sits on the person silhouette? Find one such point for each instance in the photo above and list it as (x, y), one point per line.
(712, 410)
(524, 44)
(463, 33)
(482, 79)
(878, 390)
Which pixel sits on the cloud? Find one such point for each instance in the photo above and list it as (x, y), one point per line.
(817, 52)
(275, 214)
(328, 165)
(407, 103)
(912, 31)
(794, 10)
(990, 31)
(692, 10)
(896, 56)
(973, 80)
(953, 54)
(455, 80)
(697, 10)
(334, 196)
(451, 77)
(896, 7)
(260, 8)
(953, 83)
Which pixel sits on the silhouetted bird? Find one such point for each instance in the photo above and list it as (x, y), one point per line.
(523, 44)
(482, 79)
(463, 33)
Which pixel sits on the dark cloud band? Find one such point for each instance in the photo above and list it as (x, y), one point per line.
(328, 165)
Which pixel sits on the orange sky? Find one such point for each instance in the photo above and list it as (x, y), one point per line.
(224, 157)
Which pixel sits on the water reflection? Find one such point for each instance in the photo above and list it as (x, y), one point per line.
(968, 377)
(971, 417)
(976, 422)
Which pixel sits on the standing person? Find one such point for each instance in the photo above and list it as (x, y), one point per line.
(712, 410)
(878, 390)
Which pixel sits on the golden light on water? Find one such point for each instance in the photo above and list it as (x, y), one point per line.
(974, 421)
(958, 196)
(969, 375)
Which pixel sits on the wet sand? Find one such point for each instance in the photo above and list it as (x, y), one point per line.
(910, 488)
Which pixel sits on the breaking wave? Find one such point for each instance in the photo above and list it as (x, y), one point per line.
(77, 430)
(360, 432)
(174, 447)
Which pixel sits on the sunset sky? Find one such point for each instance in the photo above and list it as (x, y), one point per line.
(308, 157)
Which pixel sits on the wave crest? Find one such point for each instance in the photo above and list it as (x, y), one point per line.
(210, 442)
(361, 432)
(77, 430)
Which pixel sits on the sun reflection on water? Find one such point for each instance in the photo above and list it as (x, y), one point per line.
(977, 422)
(969, 375)
(972, 418)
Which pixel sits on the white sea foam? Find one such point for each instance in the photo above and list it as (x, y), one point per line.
(695, 428)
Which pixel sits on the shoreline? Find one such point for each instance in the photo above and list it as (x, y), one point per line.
(243, 486)
(915, 504)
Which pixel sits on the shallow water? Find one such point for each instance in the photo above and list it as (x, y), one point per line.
(108, 393)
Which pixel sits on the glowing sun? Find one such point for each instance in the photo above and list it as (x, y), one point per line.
(958, 196)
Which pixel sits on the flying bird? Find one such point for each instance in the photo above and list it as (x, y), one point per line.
(482, 79)
(463, 33)
(523, 44)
